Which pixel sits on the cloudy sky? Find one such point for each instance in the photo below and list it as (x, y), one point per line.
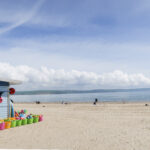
(75, 44)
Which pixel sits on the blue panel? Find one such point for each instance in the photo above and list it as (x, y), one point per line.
(3, 83)
(4, 105)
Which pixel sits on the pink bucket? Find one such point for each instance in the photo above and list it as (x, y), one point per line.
(2, 126)
(41, 118)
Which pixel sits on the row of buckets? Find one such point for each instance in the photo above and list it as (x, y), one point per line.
(12, 122)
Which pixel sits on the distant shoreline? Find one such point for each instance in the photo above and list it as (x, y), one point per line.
(135, 95)
(40, 92)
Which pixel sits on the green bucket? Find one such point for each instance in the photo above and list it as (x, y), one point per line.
(6, 120)
(13, 123)
(35, 119)
(24, 122)
(30, 121)
(18, 122)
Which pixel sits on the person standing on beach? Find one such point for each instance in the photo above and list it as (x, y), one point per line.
(96, 100)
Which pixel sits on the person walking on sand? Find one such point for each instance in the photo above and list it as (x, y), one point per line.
(96, 100)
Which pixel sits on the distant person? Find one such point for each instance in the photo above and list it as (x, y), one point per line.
(38, 102)
(96, 100)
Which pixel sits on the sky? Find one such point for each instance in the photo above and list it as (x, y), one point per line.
(81, 44)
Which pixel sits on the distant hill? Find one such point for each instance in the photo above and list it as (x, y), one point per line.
(39, 92)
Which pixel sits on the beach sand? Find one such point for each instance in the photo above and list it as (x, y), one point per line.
(106, 126)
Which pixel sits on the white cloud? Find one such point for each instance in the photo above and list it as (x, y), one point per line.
(90, 55)
(45, 78)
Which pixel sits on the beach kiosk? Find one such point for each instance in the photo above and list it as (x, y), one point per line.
(5, 104)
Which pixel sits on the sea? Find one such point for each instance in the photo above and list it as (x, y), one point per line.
(117, 95)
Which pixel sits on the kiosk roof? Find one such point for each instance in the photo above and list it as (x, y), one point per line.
(10, 82)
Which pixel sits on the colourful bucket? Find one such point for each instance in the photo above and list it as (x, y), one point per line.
(2, 126)
(6, 120)
(35, 119)
(41, 118)
(13, 118)
(7, 124)
(30, 121)
(18, 122)
(13, 123)
(24, 122)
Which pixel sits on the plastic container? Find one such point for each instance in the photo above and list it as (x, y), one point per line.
(35, 119)
(2, 126)
(6, 120)
(41, 118)
(29, 120)
(24, 122)
(13, 123)
(13, 118)
(18, 122)
(7, 124)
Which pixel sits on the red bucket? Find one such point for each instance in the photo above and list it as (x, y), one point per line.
(2, 126)
(41, 118)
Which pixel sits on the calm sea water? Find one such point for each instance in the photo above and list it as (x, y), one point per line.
(86, 97)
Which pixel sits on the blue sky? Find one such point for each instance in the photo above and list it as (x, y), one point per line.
(102, 37)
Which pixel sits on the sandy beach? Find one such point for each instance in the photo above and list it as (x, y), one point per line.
(106, 126)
